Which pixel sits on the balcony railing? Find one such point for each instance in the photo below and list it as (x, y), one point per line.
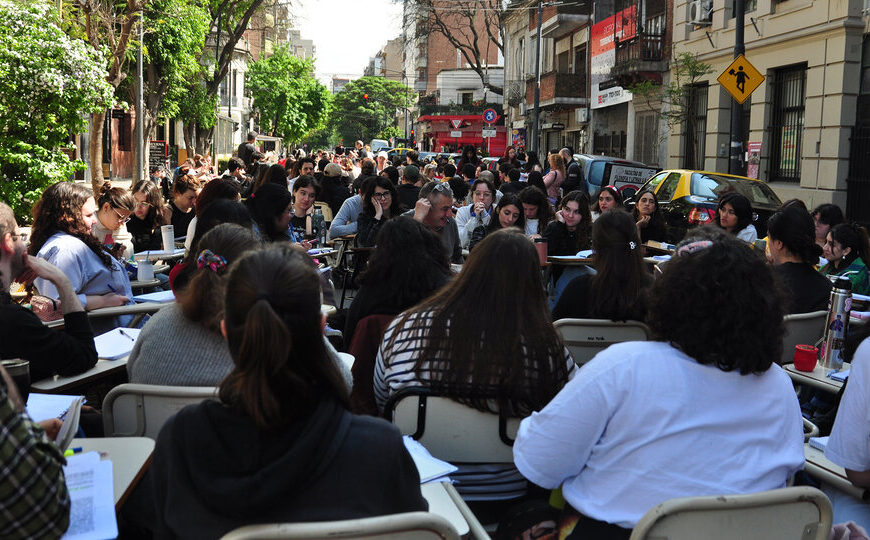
(642, 48)
(557, 85)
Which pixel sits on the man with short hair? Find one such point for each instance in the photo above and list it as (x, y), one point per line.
(573, 173)
(434, 209)
(360, 150)
(236, 171)
(409, 188)
(246, 149)
(306, 166)
(413, 158)
(512, 182)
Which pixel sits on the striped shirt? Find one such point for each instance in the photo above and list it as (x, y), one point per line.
(394, 370)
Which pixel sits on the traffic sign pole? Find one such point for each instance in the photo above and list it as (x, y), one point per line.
(735, 161)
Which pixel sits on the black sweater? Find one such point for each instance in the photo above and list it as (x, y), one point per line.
(806, 289)
(213, 471)
(65, 352)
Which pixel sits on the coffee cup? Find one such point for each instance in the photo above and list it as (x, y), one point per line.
(145, 270)
(19, 372)
(805, 357)
(168, 234)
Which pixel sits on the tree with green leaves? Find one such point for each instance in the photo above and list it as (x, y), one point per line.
(47, 82)
(366, 108)
(289, 100)
(675, 100)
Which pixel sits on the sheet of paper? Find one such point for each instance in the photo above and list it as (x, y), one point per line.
(44, 406)
(586, 253)
(430, 468)
(156, 252)
(92, 507)
(161, 297)
(116, 343)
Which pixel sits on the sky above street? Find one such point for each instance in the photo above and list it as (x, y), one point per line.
(347, 32)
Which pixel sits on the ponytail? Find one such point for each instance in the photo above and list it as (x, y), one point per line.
(117, 198)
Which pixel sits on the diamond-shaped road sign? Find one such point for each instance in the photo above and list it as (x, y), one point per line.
(740, 79)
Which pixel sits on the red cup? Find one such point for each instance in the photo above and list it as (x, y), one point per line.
(805, 357)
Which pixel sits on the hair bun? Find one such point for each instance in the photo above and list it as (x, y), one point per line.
(105, 188)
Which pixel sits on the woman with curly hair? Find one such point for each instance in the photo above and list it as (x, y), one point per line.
(114, 208)
(707, 390)
(150, 214)
(63, 221)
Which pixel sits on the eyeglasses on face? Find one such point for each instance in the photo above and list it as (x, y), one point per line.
(143, 204)
(382, 195)
(121, 219)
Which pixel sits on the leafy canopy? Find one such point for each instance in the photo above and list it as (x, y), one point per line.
(48, 81)
(359, 117)
(291, 102)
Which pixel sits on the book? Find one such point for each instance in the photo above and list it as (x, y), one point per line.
(116, 343)
(819, 443)
(89, 481)
(67, 408)
(429, 467)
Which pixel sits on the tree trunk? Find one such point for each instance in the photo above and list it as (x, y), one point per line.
(189, 130)
(98, 121)
(203, 140)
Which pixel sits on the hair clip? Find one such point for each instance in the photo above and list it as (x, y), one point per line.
(632, 245)
(209, 259)
(693, 247)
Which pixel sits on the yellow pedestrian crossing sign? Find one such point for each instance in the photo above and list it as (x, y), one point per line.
(740, 79)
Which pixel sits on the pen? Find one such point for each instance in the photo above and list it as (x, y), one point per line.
(126, 335)
(112, 288)
(71, 451)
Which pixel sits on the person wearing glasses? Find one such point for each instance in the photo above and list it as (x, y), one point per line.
(150, 214)
(115, 206)
(380, 203)
(63, 221)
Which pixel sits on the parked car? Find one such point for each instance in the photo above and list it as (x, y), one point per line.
(626, 175)
(398, 152)
(689, 198)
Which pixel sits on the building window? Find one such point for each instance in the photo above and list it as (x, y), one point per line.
(580, 60)
(466, 97)
(748, 6)
(563, 62)
(646, 137)
(695, 126)
(787, 124)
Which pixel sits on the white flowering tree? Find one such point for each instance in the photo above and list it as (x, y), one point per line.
(48, 82)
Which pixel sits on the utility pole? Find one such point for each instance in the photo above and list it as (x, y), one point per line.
(140, 106)
(735, 161)
(535, 115)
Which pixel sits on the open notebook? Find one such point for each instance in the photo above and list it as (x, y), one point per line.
(68, 408)
(116, 343)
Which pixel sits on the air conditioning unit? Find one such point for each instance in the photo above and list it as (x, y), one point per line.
(522, 108)
(701, 12)
(581, 115)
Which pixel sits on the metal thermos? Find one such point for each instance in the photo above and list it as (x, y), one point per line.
(838, 324)
(319, 225)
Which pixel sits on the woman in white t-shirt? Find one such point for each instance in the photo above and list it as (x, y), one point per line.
(702, 411)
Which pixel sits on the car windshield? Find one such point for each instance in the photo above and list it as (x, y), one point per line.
(714, 186)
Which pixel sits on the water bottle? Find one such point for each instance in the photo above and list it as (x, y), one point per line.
(319, 226)
(837, 324)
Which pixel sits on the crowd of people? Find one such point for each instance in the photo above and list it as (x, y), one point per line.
(293, 425)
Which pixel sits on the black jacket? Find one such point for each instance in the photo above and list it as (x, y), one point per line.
(333, 191)
(213, 471)
(573, 179)
(65, 352)
(408, 195)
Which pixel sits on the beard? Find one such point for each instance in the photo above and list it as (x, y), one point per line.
(18, 264)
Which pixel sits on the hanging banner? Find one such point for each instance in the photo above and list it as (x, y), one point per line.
(622, 26)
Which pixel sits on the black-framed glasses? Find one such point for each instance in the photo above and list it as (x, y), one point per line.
(384, 195)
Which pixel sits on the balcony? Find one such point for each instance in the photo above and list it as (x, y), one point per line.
(563, 23)
(642, 57)
(558, 89)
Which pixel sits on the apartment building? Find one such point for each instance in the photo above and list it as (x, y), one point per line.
(805, 112)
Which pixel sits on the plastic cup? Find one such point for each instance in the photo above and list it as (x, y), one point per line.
(145, 270)
(168, 234)
(805, 357)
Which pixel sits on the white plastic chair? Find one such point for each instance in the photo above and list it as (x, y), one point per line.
(140, 410)
(801, 328)
(452, 431)
(410, 525)
(795, 512)
(587, 337)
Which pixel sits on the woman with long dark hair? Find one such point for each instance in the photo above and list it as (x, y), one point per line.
(63, 219)
(826, 216)
(533, 163)
(469, 157)
(846, 250)
(520, 362)
(616, 291)
(793, 249)
(380, 204)
(508, 213)
(270, 208)
(734, 214)
(279, 444)
(150, 214)
(569, 232)
(648, 217)
(223, 188)
(707, 390)
(608, 198)
(537, 210)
